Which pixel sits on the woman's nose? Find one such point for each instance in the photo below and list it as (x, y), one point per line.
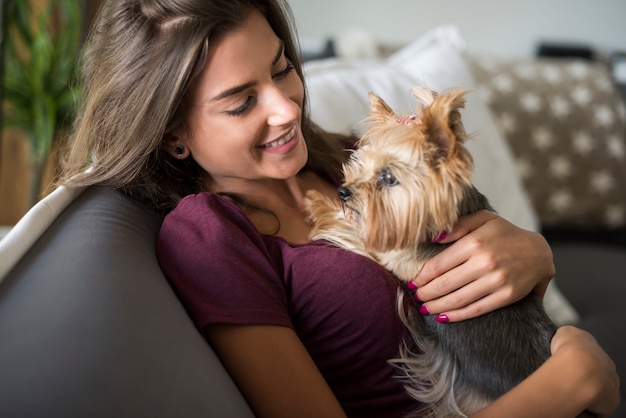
(283, 109)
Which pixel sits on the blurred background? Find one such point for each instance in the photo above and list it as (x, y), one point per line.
(552, 73)
(43, 35)
(509, 28)
(39, 42)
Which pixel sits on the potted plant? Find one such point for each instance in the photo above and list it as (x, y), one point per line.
(40, 62)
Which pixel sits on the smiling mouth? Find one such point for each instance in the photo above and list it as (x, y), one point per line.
(282, 140)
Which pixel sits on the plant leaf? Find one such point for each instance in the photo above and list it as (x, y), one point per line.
(40, 64)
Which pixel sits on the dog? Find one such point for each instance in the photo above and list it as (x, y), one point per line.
(407, 181)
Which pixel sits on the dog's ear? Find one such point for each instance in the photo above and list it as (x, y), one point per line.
(456, 100)
(442, 121)
(425, 95)
(379, 110)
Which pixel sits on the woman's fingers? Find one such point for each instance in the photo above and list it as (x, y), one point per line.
(491, 264)
(465, 245)
(473, 299)
(467, 224)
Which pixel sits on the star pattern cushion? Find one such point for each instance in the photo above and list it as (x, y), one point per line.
(565, 122)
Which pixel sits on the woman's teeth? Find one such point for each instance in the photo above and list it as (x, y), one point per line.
(282, 140)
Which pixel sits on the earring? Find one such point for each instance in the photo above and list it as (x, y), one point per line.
(179, 150)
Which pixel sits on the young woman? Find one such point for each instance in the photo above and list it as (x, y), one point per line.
(198, 108)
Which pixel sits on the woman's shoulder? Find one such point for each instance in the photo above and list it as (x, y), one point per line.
(206, 222)
(204, 203)
(206, 210)
(220, 266)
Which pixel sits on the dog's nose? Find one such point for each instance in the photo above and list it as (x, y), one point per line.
(344, 193)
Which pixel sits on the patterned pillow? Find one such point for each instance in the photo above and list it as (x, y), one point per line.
(566, 124)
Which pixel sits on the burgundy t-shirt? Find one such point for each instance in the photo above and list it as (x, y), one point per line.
(341, 305)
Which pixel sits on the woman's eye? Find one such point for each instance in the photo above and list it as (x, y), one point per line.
(241, 109)
(250, 99)
(283, 73)
(386, 177)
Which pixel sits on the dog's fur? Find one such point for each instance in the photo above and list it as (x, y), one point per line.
(408, 180)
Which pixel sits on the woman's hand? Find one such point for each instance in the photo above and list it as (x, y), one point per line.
(599, 383)
(491, 264)
(578, 376)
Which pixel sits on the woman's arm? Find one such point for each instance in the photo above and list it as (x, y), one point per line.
(578, 376)
(492, 263)
(274, 371)
(278, 378)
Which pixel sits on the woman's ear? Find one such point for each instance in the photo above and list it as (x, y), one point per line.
(176, 147)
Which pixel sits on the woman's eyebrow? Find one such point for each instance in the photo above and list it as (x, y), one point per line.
(238, 89)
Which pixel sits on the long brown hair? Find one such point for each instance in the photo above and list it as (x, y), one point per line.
(138, 63)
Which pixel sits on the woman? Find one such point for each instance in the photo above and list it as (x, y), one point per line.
(199, 105)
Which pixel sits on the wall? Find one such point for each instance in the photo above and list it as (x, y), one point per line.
(492, 26)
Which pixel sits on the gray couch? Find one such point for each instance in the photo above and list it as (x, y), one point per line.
(89, 327)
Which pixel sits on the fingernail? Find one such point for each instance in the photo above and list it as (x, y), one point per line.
(423, 310)
(441, 237)
(416, 298)
(411, 286)
(442, 318)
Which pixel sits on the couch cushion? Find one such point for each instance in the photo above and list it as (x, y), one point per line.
(90, 327)
(566, 123)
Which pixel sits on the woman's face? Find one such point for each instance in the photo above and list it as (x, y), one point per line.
(244, 120)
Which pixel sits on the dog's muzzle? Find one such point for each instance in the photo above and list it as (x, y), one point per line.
(344, 193)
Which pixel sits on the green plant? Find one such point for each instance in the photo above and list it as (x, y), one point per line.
(40, 63)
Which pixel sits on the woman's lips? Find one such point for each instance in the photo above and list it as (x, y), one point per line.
(282, 140)
(283, 145)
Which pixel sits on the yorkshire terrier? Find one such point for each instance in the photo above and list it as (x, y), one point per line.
(408, 181)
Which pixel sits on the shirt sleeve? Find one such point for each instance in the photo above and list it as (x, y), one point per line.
(220, 266)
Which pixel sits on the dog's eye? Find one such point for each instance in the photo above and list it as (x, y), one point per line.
(386, 177)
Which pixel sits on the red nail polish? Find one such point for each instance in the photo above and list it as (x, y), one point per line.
(416, 298)
(423, 310)
(441, 237)
(411, 286)
(441, 318)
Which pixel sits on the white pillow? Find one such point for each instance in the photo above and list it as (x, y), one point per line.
(338, 99)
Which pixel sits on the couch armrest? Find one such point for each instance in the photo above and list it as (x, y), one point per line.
(90, 327)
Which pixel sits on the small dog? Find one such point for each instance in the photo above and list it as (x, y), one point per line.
(408, 181)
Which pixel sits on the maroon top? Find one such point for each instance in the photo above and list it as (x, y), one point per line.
(341, 305)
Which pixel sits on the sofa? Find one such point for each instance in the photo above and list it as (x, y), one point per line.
(90, 327)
